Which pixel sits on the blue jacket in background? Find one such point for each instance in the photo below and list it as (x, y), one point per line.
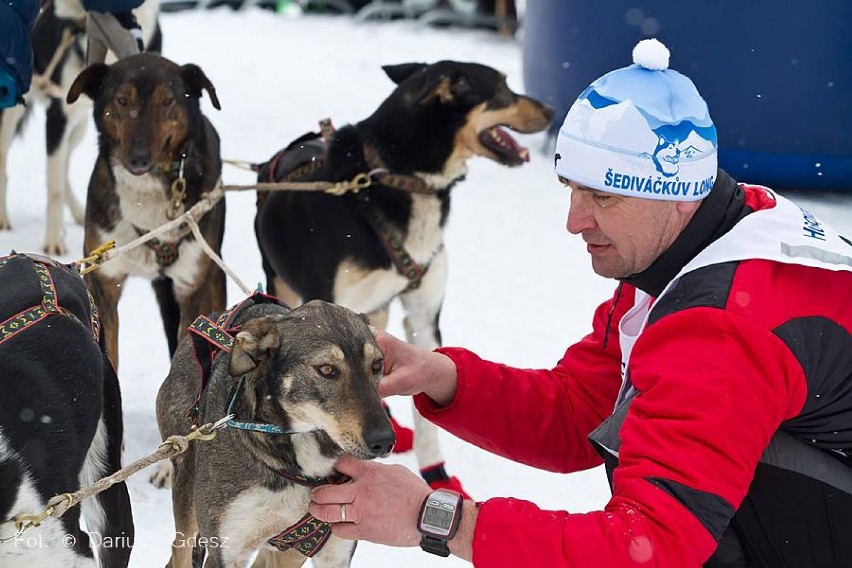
(16, 52)
(110, 6)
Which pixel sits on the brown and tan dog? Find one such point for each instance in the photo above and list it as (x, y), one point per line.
(153, 139)
(303, 387)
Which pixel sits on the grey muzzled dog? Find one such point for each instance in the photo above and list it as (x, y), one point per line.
(313, 373)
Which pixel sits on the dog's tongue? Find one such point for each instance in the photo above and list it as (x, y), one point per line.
(501, 142)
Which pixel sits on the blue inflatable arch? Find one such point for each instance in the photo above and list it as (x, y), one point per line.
(776, 74)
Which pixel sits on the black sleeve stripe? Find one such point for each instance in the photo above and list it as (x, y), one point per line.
(711, 510)
(823, 348)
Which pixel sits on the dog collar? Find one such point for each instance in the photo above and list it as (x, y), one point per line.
(335, 478)
(262, 427)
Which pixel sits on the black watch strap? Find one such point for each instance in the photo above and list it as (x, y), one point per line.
(434, 545)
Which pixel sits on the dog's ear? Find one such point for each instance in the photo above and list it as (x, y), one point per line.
(401, 72)
(448, 90)
(254, 344)
(363, 317)
(89, 81)
(196, 80)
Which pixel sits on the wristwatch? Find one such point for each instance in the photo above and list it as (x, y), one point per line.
(439, 520)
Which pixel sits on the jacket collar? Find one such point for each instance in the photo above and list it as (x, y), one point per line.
(719, 212)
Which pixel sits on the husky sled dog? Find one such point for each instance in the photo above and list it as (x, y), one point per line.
(364, 249)
(153, 139)
(303, 386)
(60, 419)
(65, 123)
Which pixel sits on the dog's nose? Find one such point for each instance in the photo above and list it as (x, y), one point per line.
(140, 158)
(380, 441)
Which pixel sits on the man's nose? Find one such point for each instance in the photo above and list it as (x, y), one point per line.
(580, 216)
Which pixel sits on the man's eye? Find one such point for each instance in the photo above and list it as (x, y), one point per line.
(602, 199)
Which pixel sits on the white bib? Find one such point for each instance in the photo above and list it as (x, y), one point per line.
(785, 233)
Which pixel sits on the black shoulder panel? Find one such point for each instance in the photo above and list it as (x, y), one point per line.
(705, 287)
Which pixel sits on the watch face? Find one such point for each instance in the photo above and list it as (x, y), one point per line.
(439, 511)
(437, 520)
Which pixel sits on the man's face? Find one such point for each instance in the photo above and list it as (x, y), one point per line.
(624, 235)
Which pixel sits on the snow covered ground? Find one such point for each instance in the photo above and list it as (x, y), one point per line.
(520, 287)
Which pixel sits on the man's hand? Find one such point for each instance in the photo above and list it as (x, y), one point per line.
(381, 503)
(410, 370)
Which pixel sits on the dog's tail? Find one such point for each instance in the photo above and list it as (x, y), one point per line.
(109, 513)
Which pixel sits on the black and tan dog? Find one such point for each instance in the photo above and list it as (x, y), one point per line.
(65, 124)
(60, 420)
(303, 386)
(158, 155)
(363, 250)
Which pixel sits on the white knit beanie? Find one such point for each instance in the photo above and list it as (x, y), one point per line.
(641, 131)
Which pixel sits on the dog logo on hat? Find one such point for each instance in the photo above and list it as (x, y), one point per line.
(666, 157)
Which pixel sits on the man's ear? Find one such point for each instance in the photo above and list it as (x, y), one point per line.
(196, 80)
(256, 343)
(89, 81)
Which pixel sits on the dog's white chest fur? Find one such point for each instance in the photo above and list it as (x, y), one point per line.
(144, 204)
(366, 291)
(258, 514)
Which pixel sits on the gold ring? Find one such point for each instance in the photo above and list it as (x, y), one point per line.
(343, 512)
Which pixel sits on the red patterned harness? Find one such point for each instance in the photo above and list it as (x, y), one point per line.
(49, 305)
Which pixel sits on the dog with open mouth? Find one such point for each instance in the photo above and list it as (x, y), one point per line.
(362, 250)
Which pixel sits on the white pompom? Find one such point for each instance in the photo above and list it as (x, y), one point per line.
(651, 54)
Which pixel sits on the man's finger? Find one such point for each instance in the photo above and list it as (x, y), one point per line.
(352, 467)
(326, 494)
(385, 390)
(334, 512)
(347, 531)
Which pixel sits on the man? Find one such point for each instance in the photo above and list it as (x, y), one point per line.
(716, 384)
(16, 53)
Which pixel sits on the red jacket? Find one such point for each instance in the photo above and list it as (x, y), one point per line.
(695, 424)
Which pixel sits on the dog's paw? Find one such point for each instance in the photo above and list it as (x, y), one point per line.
(54, 245)
(5, 225)
(162, 476)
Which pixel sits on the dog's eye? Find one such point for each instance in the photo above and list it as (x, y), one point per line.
(121, 100)
(328, 371)
(378, 365)
(168, 101)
